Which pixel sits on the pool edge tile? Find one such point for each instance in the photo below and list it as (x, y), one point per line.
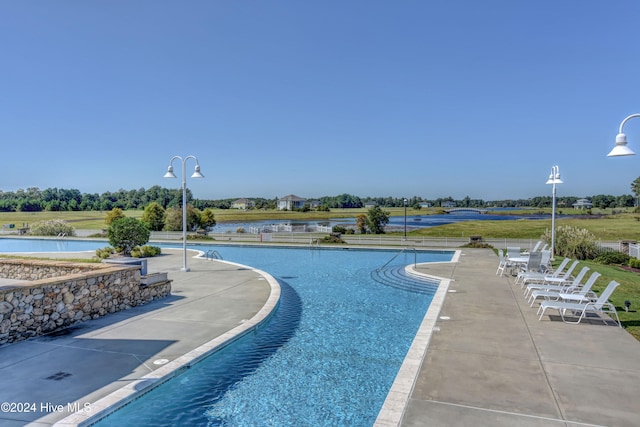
(397, 399)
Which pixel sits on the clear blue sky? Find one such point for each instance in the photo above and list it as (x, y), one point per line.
(373, 98)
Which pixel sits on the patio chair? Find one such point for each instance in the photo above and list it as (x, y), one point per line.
(503, 263)
(558, 286)
(513, 252)
(599, 306)
(557, 279)
(536, 262)
(516, 257)
(539, 276)
(574, 292)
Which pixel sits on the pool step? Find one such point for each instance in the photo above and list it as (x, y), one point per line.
(396, 277)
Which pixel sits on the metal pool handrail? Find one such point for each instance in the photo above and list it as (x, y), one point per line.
(415, 258)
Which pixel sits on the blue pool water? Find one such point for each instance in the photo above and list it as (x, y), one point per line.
(50, 245)
(327, 356)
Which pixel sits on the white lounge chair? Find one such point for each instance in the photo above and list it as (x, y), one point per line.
(576, 292)
(534, 262)
(539, 276)
(563, 287)
(541, 270)
(599, 306)
(564, 279)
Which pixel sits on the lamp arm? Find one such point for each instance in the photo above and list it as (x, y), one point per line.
(625, 121)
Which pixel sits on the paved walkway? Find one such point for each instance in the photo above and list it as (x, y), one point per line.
(490, 362)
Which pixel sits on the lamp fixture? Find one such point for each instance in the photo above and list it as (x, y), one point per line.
(621, 149)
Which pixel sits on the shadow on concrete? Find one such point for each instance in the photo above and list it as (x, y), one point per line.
(183, 398)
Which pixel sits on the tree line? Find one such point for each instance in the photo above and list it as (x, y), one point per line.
(53, 199)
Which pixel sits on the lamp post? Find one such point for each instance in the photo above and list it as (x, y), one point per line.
(196, 174)
(405, 218)
(554, 179)
(621, 148)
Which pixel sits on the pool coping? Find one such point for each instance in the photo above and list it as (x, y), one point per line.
(133, 390)
(397, 399)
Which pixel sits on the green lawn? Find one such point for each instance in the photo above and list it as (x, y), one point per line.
(609, 228)
(629, 289)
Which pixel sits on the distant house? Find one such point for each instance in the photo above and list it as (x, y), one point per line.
(313, 204)
(425, 205)
(290, 202)
(583, 204)
(448, 204)
(242, 204)
(370, 204)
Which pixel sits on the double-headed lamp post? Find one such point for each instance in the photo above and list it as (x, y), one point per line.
(196, 174)
(554, 178)
(621, 148)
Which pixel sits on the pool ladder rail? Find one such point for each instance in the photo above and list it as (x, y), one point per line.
(213, 254)
(415, 258)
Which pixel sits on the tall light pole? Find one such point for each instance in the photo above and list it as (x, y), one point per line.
(554, 179)
(405, 218)
(196, 174)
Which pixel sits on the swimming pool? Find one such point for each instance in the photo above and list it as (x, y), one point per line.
(327, 356)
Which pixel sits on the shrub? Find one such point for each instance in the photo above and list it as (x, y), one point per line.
(634, 262)
(332, 239)
(145, 251)
(105, 252)
(573, 242)
(240, 230)
(127, 233)
(201, 236)
(612, 257)
(477, 245)
(339, 229)
(54, 227)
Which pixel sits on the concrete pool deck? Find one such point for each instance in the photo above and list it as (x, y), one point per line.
(489, 360)
(54, 379)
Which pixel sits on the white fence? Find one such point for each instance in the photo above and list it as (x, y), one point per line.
(261, 234)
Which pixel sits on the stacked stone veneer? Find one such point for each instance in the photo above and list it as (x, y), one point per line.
(56, 295)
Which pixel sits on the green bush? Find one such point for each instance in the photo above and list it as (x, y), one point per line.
(612, 258)
(339, 229)
(201, 236)
(573, 242)
(105, 252)
(145, 251)
(477, 245)
(54, 227)
(634, 263)
(127, 233)
(332, 239)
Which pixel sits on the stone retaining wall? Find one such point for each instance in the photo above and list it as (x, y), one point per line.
(55, 295)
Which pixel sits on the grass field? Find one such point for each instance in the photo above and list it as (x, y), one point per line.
(609, 227)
